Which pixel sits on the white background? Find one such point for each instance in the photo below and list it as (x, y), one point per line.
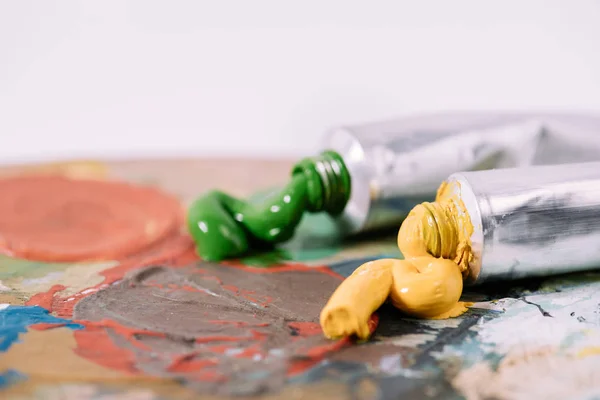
(267, 77)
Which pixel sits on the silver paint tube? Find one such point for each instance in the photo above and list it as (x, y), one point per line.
(396, 165)
(532, 221)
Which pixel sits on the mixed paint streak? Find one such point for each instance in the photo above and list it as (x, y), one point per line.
(58, 219)
(16, 320)
(227, 336)
(496, 342)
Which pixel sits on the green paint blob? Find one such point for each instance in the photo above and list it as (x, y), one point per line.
(316, 238)
(224, 227)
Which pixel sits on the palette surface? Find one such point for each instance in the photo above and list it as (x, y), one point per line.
(102, 296)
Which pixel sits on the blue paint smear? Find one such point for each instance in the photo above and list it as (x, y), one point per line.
(10, 377)
(15, 320)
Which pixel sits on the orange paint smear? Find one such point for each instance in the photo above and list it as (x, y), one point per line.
(95, 344)
(45, 299)
(238, 324)
(306, 328)
(250, 295)
(199, 369)
(53, 218)
(188, 363)
(204, 358)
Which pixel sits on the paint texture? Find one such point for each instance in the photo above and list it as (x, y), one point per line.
(441, 229)
(53, 218)
(224, 226)
(537, 338)
(234, 324)
(434, 239)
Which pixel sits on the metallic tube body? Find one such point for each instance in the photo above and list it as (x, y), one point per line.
(532, 221)
(396, 165)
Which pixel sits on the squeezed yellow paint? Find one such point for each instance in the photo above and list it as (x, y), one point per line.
(435, 241)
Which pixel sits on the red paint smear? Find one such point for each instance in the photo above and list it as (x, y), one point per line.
(175, 250)
(316, 354)
(209, 339)
(210, 376)
(250, 352)
(45, 299)
(220, 349)
(262, 300)
(188, 363)
(95, 344)
(173, 287)
(42, 326)
(53, 229)
(238, 324)
(231, 288)
(127, 332)
(188, 288)
(210, 278)
(254, 335)
(306, 328)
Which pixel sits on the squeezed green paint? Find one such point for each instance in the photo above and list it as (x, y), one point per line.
(316, 238)
(225, 227)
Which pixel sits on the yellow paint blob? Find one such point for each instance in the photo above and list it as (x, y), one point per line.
(435, 241)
